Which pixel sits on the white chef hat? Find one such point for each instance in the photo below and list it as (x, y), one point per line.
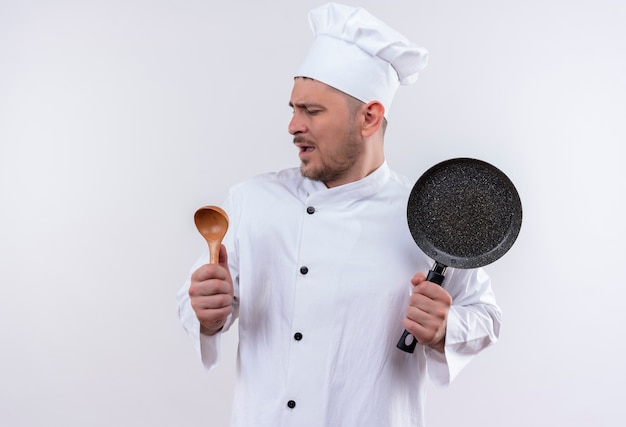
(358, 54)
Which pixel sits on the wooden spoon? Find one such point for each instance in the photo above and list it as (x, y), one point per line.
(212, 223)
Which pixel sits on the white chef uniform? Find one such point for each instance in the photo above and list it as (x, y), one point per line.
(322, 280)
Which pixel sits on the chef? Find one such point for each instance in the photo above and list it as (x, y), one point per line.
(318, 265)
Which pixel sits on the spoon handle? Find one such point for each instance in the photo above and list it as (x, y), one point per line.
(214, 252)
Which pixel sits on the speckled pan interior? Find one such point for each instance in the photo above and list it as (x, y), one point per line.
(464, 213)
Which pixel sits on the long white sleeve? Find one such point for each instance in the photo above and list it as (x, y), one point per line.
(474, 323)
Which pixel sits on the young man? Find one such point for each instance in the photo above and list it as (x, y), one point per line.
(318, 265)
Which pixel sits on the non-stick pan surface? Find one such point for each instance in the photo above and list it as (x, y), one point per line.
(464, 213)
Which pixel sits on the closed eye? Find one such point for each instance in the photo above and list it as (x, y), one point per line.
(310, 109)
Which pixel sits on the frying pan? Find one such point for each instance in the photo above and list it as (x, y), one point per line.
(463, 213)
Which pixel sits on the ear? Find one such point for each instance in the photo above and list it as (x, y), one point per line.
(374, 113)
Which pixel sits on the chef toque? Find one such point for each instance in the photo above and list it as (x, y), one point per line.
(358, 54)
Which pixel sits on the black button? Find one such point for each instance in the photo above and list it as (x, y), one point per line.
(291, 404)
(304, 270)
(297, 336)
(310, 210)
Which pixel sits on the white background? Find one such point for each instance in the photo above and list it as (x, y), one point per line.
(119, 118)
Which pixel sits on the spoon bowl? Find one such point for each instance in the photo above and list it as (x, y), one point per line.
(212, 223)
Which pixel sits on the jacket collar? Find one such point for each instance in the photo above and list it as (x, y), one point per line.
(315, 192)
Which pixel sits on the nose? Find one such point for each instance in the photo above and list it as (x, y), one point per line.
(296, 124)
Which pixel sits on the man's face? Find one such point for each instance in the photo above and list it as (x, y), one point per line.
(324, 129)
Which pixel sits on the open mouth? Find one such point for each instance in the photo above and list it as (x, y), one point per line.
(304, 147)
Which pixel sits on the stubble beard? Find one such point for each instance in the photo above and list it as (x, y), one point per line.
(333, 169)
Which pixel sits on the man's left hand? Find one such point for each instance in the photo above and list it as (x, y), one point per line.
(427, 313)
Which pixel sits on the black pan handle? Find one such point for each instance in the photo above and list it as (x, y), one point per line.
(436, 275)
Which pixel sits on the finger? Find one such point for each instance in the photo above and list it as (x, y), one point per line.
(432, 291)
(213, 319)
(212, 302)
(223, 257)
(421, 304)
(209, 288)
(209, 272)
(418, 278)
(424, 334)
(425, 311)
(421, 301)
(433, 318)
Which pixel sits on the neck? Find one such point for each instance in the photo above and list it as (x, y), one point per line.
(370, 159)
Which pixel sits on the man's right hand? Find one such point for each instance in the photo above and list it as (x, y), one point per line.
(211, 294)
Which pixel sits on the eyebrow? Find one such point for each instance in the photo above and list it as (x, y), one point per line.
(305, 105)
